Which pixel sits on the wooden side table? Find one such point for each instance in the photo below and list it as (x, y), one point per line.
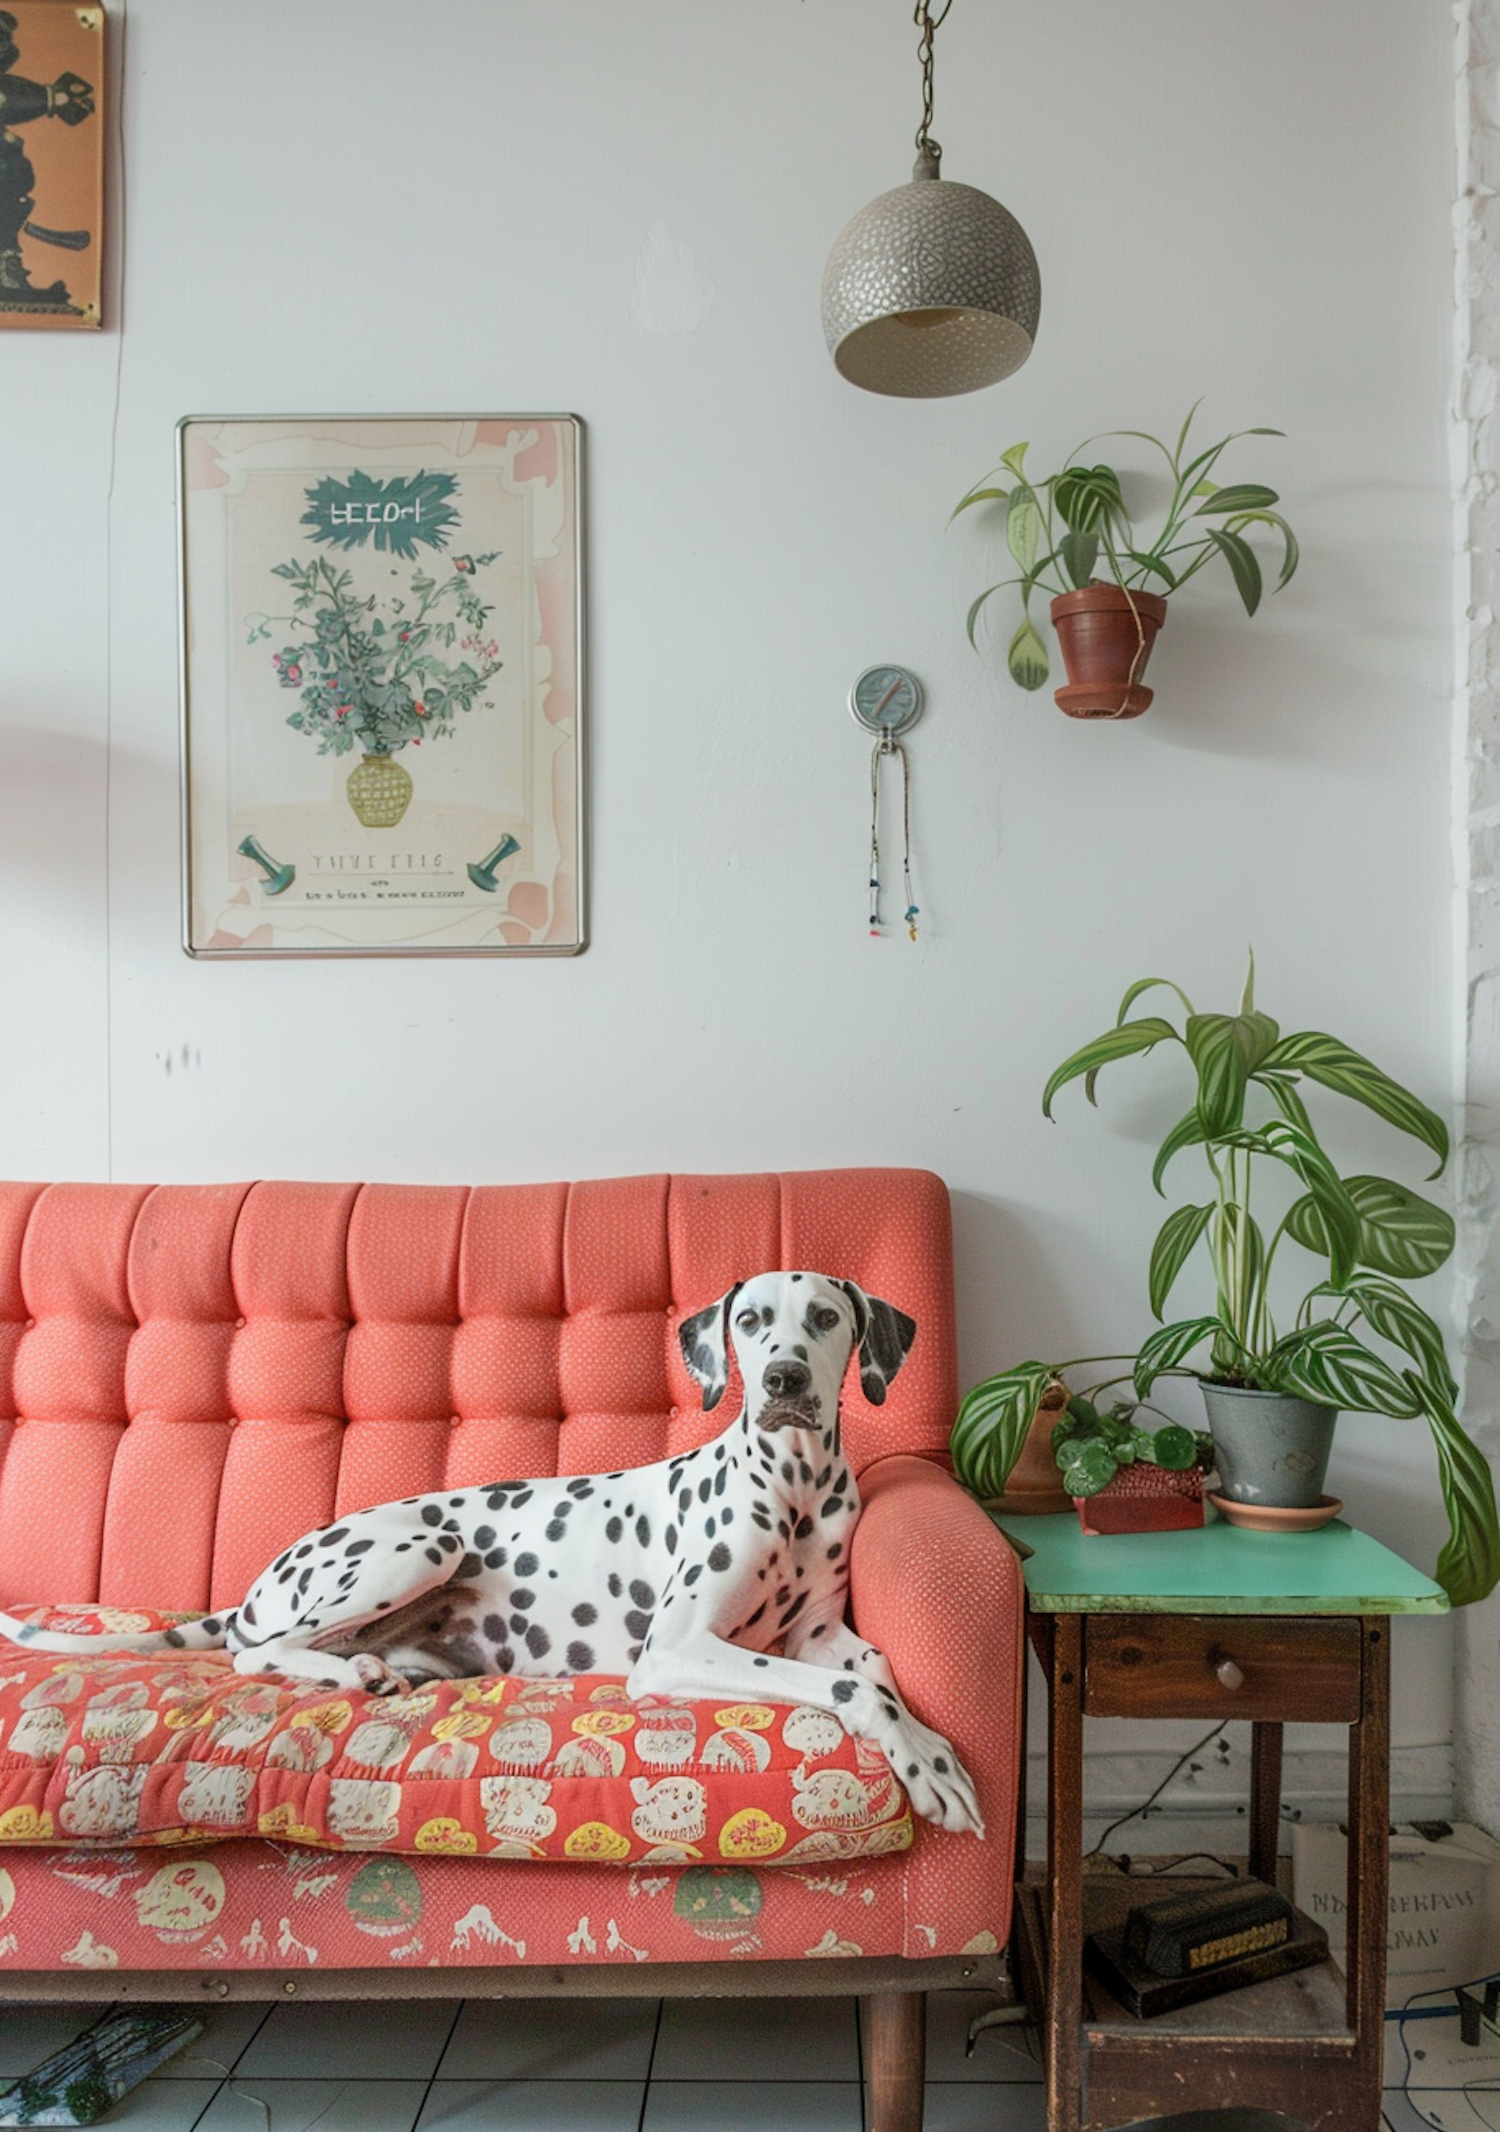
(1220, 1623)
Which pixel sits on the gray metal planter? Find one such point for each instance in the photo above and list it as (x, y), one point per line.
(1271, 1449)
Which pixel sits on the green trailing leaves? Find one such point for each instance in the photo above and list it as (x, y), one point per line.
(1173, 1246)
(1324, 1059)
(1326, 1363)
(1400, 1232)
(1469, 1566)
(1168, 1347)
(1117, 1043)
(1023, 526)
(1244, 566)
(1340, 1217)
(992, 1425)
(1079, 553)
(1187, 1132)
(1026, 656)
(1238, 496)
(1226, 1049)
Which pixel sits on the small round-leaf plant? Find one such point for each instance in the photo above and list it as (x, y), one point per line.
(1092, 1444)
(1065, 528)
(1357, 1339)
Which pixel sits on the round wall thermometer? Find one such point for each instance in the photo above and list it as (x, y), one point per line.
(886, 700)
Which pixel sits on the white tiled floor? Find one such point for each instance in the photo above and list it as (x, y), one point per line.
(635, 2065)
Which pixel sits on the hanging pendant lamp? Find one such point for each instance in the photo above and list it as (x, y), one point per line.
(933, 288)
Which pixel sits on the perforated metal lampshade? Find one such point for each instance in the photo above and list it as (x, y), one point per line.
(932, 289)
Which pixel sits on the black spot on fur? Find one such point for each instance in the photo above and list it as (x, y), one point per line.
(641, 1592)
(432, 1515)
(643, 1532)
(613, 1530)
(637, 1623)
(538, 1642)
(447, 1541)
(505, 1658)
(495, 1559)
(836, 1550)
(470, 1566)
(494, 1627)
(633, 1653)
(756, 1615)
(719, 1479)
(614, 1586)
(804, 1472)
(526, 1565)
(518, 1624)
(684, 1502)
(710, 1527)
(175, 1638)
(670, 1536)
(522, 1598)
(788, 1472)
(758, 1517)
(434, 1554)
(719, 1558)
(940, 1764)
(911, 1769)
(581, 1657)
(844, 1691)
(726, 1515)
(556, 1527)
(497, 1499)
(794, 1610)
(581, 1487)
(804, 1529)
(484, 1536)
(585, 1615)
(306, 1577)
(832, 1507)
(691, 1575)
(705, 1489)
(520, 1499)
(819, 1629)
(339, 1532)
(359, 1547)
(760, 1661)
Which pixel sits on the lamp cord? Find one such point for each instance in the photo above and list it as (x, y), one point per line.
(928, 150)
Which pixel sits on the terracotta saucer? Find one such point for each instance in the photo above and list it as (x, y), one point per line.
(1265, 1517)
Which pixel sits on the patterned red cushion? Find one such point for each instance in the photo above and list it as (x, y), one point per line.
(124, 1749)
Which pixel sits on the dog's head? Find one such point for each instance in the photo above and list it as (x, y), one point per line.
(793, 1334)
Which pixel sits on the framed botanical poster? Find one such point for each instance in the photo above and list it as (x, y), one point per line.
(51, 163)
(382, 676)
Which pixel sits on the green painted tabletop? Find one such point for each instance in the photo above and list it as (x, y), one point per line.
(1218, 1570)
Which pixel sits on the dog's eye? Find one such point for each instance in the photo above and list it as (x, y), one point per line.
(747, 1320)
(824, 1318)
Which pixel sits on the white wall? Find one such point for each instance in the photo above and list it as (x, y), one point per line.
(372, 207)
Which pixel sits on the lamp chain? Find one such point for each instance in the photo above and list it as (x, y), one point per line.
(928, 150)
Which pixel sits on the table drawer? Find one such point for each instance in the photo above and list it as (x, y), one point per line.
(1220, 1666)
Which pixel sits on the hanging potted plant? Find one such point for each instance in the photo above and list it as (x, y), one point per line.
(1064, 529)
(1273, 1390)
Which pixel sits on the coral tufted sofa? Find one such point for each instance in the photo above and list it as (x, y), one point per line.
(192, 1376)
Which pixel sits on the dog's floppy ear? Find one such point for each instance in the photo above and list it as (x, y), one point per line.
(884, 1334)
(705, 1346)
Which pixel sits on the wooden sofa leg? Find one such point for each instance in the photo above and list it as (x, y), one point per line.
(895, 2059)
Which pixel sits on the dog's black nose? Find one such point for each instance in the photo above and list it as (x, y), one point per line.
(787, 1380)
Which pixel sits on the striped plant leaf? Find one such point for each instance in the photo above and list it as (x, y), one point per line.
(1026, 656)
(1390, 1311)
(1173, 1246)
(992, 1425)
(1150, 984)
(1400, 1232)
(1469, 1566)
(1283, 1092)
(1326, 1363)
(1226, 1049)
(1117, 1043)
(1334, 1065)
(1340, 1216)
(1023, 526)
(1244, 564)
(1165, 1349)
(1187, 1132)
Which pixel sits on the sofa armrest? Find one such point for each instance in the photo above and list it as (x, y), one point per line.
(938, 1588)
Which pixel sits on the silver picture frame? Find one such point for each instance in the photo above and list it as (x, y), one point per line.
(353, 590)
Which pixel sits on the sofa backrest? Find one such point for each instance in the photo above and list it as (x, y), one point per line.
(192, 1375)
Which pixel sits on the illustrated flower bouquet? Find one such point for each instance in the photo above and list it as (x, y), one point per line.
(372, 674)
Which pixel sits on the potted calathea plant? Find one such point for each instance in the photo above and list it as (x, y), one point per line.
(1064, 529)
(1272, 1382)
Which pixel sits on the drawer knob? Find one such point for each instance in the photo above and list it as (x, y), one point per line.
(1229, 1675)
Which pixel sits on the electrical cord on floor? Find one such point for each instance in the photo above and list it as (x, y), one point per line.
(1411, 2011)
(1137, 1812)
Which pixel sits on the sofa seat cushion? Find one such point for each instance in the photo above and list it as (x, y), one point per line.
(174, 1749)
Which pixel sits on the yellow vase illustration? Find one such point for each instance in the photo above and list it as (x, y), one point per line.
(379, 791)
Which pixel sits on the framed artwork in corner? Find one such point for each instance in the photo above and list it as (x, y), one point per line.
(51, 163)
(382, 673)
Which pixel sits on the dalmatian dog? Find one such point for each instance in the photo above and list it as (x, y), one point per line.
(720, 1572)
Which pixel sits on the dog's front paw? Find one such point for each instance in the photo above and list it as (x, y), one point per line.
(939, 1787)
(377, 1678)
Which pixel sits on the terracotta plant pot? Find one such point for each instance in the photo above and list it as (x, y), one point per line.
(1144, 1498)
(1035, 1489)
(1105, 635)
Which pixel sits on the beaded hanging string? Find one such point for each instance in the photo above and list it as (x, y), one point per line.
(882, 747)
